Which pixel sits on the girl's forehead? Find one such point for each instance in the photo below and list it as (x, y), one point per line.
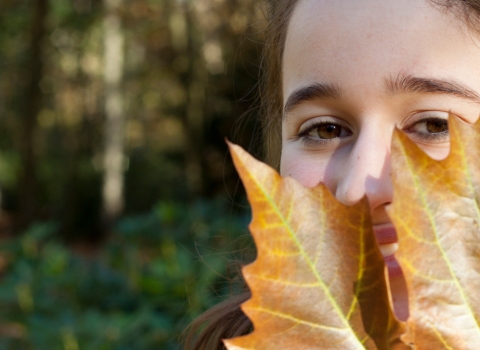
(372, 14)
(367, 41)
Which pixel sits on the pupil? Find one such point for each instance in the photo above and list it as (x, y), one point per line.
(328, 131)
(437, 126)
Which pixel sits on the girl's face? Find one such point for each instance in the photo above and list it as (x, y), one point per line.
(355, 70)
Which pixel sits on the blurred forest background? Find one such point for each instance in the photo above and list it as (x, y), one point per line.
(120, 208)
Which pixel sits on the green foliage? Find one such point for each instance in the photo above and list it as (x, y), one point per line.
(186, 74)
(139, 291)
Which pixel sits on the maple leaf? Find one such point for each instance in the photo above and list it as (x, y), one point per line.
(435, 210)
(319, 277)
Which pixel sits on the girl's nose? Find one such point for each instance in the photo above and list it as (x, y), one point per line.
(366, 171)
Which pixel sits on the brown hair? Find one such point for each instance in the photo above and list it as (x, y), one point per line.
(226, 320)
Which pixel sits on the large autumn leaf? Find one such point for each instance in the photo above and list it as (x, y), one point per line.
(318, 281)
(436, 213)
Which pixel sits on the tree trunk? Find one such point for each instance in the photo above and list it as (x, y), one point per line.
(32, 108)
(113, 159)
(195, 112)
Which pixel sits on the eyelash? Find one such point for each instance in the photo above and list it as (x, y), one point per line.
(430, 136)
(310, 141)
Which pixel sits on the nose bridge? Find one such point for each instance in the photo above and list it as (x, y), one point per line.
(367, 170)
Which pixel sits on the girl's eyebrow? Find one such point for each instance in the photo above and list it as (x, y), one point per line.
(401, 84)
(410, 84)
(317, 91)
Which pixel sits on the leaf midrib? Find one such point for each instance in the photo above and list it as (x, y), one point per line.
(434, 226)
(286, 224)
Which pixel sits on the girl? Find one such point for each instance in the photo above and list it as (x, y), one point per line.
(340, 76)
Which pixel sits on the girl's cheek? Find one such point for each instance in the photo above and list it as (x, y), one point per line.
(437, 153)
(309, 172)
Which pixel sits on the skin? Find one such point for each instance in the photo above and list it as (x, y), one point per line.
(352, 58)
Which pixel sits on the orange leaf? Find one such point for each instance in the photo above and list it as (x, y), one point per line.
(319, 278)
(435, 210)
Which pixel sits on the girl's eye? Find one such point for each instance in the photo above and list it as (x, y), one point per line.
(326, 131)
(323, 132)
(430, 128)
